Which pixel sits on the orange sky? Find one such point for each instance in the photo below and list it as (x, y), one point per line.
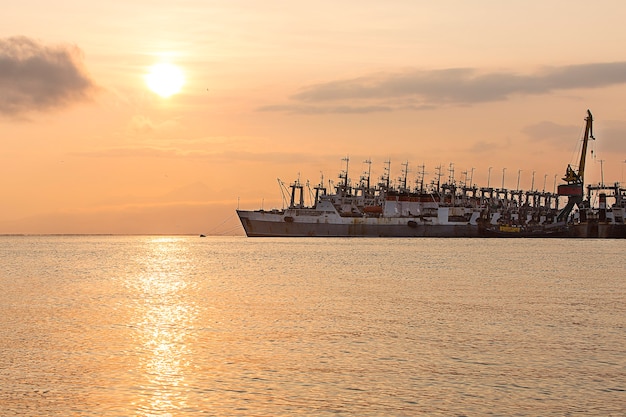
(281, 89)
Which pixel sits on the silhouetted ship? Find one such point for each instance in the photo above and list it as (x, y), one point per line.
(448, 209)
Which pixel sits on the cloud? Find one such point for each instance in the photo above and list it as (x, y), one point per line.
(142, 124)
(216, 157)
(145, 125)
(138, 152)
(342, 109)
(611, 137)
(483, 146)
(307, 109)
(38, 77)
(422, 89)
(552, 132)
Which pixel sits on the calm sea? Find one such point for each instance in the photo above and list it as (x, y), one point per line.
(186, 326)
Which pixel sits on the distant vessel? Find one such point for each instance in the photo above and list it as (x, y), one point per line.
(450, 209)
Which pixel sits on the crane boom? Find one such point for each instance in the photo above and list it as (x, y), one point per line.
(583, 152)
(577, 178)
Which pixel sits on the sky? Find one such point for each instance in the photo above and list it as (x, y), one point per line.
(285, 90)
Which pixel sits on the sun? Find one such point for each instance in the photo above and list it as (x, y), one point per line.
(165, 79)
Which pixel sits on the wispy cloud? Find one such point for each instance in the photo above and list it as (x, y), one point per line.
(138, 152)
(422, 89)
(38, 77)
(308, 109)
(552, 132)
(609, 134)
(217, 157)
(612, 137)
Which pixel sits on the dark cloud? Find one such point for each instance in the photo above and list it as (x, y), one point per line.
(457, 86)
(37, 77)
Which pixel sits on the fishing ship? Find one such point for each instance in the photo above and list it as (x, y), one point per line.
(448, 209)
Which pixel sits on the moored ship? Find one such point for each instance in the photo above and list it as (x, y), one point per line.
(451, 209)
(379, 211)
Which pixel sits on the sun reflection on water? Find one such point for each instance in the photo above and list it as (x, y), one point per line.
(165, 316)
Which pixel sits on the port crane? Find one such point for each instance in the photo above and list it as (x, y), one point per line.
(575, 179)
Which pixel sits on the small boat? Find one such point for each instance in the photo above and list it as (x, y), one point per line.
(525, 231)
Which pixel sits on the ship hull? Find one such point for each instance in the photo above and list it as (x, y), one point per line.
(289, 224)
(258, 224)
(598, 230)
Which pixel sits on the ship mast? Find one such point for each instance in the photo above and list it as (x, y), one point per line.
(319, 189)
(421, 177)
(405, 173)
(439, 174)
(296, 188)
(344, 174)
(366, 174)
(386, 175)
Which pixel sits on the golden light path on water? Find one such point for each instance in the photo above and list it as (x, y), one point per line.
(181, 326)
(164, 317)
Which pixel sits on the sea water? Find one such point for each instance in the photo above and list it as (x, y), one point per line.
(231, 326)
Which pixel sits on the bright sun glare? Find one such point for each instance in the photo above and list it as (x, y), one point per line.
(165, 79)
